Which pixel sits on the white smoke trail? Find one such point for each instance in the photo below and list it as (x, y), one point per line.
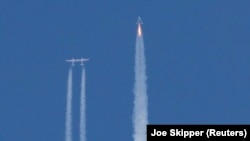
(140, 114)
(68, 122)
(83, 108)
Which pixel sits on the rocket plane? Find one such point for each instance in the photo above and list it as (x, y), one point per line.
(139, 23)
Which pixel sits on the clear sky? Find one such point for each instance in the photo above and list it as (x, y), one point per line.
(197, 55)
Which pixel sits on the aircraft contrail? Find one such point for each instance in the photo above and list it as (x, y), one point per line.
(68, 122)
(83, 107)
(140, 119)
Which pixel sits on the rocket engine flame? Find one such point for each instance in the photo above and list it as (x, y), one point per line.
(139, 32)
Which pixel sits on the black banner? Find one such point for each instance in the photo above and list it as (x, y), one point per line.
(197, 132)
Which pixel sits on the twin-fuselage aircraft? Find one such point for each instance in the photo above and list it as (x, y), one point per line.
(82, 60)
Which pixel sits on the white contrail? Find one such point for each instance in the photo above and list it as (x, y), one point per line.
(68, 122)
(83, 108)
(140, 119)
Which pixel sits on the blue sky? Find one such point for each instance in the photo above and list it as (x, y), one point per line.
(197, 56)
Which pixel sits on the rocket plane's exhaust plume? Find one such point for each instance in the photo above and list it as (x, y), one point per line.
(140, 114)
(68, 122)
(83, 107)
